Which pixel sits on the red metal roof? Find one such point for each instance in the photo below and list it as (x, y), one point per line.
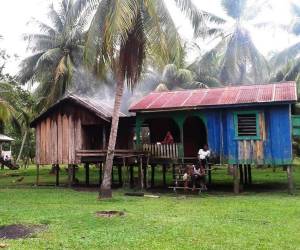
(225, 96)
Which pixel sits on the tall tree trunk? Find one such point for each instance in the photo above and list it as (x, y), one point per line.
(105, 190)
(22, 146)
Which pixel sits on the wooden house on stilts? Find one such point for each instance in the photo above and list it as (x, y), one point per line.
(244, 126)
(76, 130)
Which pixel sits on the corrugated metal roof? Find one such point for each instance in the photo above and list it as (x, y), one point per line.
(98, 107)
(226, 96)
(5, 138)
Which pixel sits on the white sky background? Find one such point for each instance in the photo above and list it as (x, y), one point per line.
(16, 14)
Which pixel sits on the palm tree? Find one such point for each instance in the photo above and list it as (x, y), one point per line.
(235, 59)
(121, 35)
(18, 111)
(58, 49)
(174, 78)
(286, 64)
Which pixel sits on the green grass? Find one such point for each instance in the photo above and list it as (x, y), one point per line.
(265, 218)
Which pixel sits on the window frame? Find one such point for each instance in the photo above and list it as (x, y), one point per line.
(248, 137)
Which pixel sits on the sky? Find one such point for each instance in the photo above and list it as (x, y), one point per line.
(16, 20)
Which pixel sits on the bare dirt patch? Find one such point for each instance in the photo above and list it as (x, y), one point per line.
(18, 231)
(109, 214)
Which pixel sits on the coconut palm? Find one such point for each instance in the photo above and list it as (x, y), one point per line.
(120, 37)
(58, 49)
(286, 64)
(174, 78)
(235, 57)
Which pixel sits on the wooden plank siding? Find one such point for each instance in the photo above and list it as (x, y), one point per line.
(54, 141)
(37, 144)
(252, 151)
(70, 128)
(71, 141)
(65, 136)
(43, 142)
(48, 145)
(78, 138)
(59, 139)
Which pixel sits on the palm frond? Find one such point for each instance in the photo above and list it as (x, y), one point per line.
(56, 18)
(198, 18)
(286, 55)
(234, 8)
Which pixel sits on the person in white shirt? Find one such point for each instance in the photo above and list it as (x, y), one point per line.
(199, 169)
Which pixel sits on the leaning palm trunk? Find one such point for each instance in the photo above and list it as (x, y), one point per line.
(22, 146)
(105, 190)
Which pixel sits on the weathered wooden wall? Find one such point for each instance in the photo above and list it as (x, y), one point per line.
(274, 145)
(59, 135)
(66, 130)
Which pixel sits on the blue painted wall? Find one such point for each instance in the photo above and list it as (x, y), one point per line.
(277, 146)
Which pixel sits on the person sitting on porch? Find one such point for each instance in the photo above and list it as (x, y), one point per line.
(168, 138)
(199, 176)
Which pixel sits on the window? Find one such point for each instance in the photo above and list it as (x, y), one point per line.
(246, 125)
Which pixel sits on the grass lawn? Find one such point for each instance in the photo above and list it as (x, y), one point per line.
(259, 218)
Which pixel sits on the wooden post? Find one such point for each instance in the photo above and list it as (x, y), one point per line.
(164, 168)
(103, 137)
(69, 175)
(241, 174)
(289, 171)
(73, 173)
(126, 176)
(120, 174)
(57, 175)
(100, 173)
(112, 175)
(131, 177)
(246, 174)
(145, 176)
(152, 175)
(87, 174)
(249, 175)
(236, 181)
(37, 174)
(173, 172)
(209, 173)
(141, 174)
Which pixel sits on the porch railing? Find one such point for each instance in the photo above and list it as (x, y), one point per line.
(169, 151)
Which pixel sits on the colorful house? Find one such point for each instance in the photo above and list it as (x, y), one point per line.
(249, 125)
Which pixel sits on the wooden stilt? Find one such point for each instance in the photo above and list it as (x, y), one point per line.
(57, 175)
(126, 177)
(173, 172)
(73, 174)
(87, 174)
(209, 173)
(120, 175)
(69, 175)
(249, 175)
(112, 175)
(141, 174)
(241, 174)
(37, 174)
(236, 181)
(100, 173)
(145, 176)
(131, 177)
(152, 175)
(246, 174)
(164, 168)
(289, 171)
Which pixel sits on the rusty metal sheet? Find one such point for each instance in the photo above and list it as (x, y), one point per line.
(161, 100)
(233, 95)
